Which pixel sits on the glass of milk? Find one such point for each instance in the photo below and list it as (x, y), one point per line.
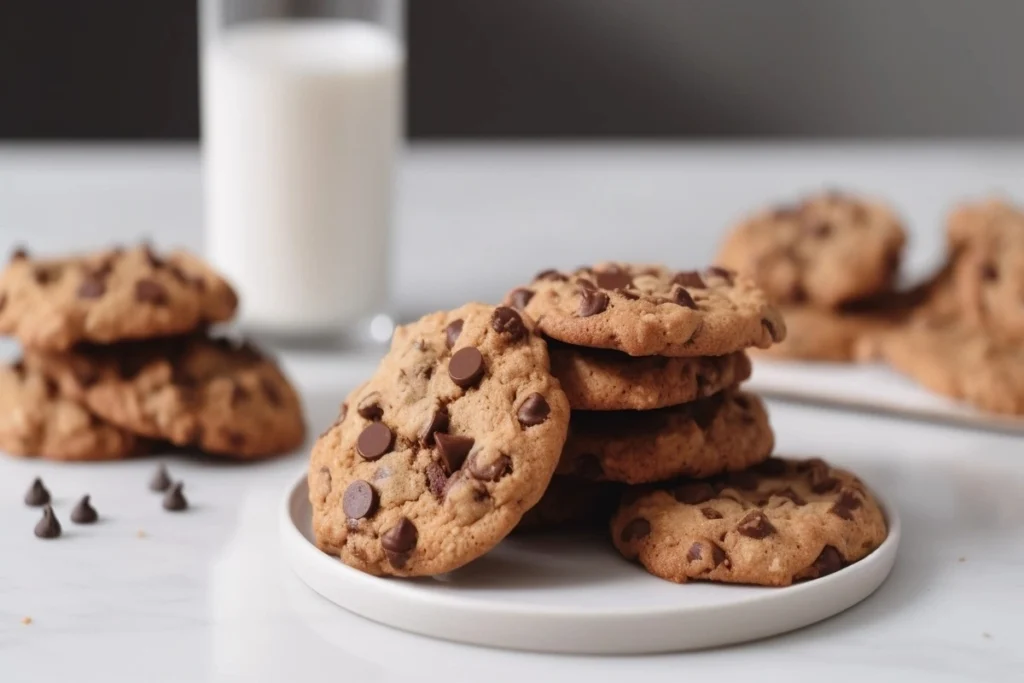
(302, 115)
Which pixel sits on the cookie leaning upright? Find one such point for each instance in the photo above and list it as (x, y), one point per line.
(108, 296)
(435, 459)
(647, 311)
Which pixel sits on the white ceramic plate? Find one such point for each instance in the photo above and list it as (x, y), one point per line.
(552, 593)
(870, 388)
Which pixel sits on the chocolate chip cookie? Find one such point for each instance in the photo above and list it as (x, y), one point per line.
(949, 357)
(601, 379)
(826, 250)
(726, 432)
(221, 396)
(572, 503)
(435, 459)
(37, 421)
(113, 295)
(781, 522)
(650, 310)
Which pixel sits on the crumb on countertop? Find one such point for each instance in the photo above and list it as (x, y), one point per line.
(986, 634)
(26, 620)
(141, 533)
(961, 559)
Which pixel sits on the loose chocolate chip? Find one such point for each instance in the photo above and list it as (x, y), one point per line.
(635, 530)
(150, 292)
(533, 411)
(710, 513)
(452, 332)
(723, 273)
(400, 538)
(744, 480)
(718, 556)
(829, 561)
(613, 279)
(989, 272)
(519, 298)
(436, 479)
(453, 449)
(359, 500)
(755, 525)
(37, 495)
(490, 471)
(770, 326)
(506, 321)
(683, 298)
(375, 441)
(161, 480)
(369, 407)
(689, 278)
(437, 421)
(694, 553)
(271, 391)
(19, 254)
(694, 493)
(48, 526)
(552, 275)
(92, 287)
(84, 512)
(466, 367)
(592, 302)
(792, 495)
(174, 499)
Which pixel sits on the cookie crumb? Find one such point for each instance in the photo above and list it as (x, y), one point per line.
(26, 620)
(961, 559)
(140, 533)
(986, 635)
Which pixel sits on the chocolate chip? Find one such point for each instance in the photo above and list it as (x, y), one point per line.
(150, 257)
(18, 368)
(92, 287)
(710, 513)
(628, 295)
(755, 525)
(150, 292)
(550, 274)
(37, 495)
(84, 512)
(19, 254)
(369, 407)
(238, 394)
(829, 561)
(989, 272)
(466, 367)
(437, 421)
(820, 229)
(48, 526)
(584, 283)
(635, 530)
(592, 302)
(822, 481)
(506, 321)
(50, 387)
(3, 301)
(453, 449)
(689, 278)
(271, 391)
(161, 480)
(723, 273)
(490, 471)
(694, 553)
(718, 556)
(845, 505)
(400, 538)
(520, 297)
(792, 495)
(359, 500)
(452, 332)
(45, 275)
(683, 298)
(533, 411)
(693, 493)
(235, 438)
(375, 441)
(770, 326)
(342, 412)
(174, 499)
(613, 279)
(436, 479)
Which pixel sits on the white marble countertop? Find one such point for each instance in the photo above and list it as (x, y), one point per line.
(204, 596)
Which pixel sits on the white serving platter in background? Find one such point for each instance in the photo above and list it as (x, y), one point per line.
(871, 388)
(574, 594)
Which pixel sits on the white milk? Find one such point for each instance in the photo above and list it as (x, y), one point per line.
(301, 122)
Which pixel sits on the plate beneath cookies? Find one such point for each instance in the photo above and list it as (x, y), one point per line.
(574, 594)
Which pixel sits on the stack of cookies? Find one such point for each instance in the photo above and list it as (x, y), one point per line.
(830, 263)
(116, 358)
(622, 378)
